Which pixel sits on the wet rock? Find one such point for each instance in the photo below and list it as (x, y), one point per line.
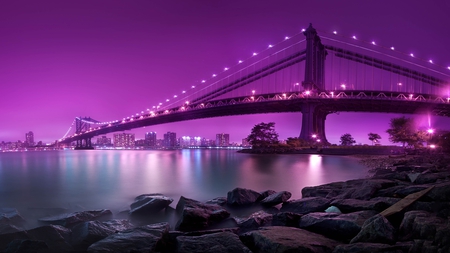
(371, 247)
(354, 205)
(10, 216)
(427, 178)
(266, 194)
(276, 198)
(325, 191)
(376, 230)
(149, 204)
(147, 238)
(306, 205)
(214, 243)
(286, 219)
(221, 201)
(287, 239)
(423, 246)
(368, 189)
(420, 225)
(440, 192)
(25, 246)
(336, 226)
(7, 228)
(333, 209)
(241, 197)
(72, 219)
(196, 215)
(254, 221)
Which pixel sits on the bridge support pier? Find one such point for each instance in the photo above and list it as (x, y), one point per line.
(313, 123)
(84, 144)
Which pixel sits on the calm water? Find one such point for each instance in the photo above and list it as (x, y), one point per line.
(111, 179)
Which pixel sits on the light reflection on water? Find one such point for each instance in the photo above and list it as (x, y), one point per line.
(112, 178)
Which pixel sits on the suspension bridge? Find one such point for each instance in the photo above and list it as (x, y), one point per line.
(307, 73)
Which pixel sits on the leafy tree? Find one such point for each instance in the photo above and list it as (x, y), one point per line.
(297, 142)
(402, 130)
(263, 135)
(444, 142)
(347, 140)
(374, 137)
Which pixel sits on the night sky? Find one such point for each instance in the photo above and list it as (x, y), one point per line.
(110, 59)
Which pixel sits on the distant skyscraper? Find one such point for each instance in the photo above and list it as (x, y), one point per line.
(124, 140)
(170, 140)
(150, 139)
(104, 141)
(245, 142)
(29, 139)
(222, 140)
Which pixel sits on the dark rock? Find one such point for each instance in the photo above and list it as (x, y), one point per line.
(336, 226)
(10, 216)
(265, 194)
(276, 198)
(87, 233)
(354, 205)
(442, 238)
(254, 221)
(287, 239)
(325, 191)
(405, 191)
(423, 246)
(377, 230)
(427, 178)
(306, 205)
(214, 243)
(440, 192)
(118, 225)
(40, 212)
(368, 189)
(371, 247)
(241, 196)
(234, 230)
(7, 228)
(286, 219)
(196, 215)
(149, 238)
(72, 219)
(149, 203)
(420, 225)
(26, 246)
(221, 201)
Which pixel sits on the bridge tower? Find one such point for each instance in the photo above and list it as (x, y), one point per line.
(82, 125)
(313, 117)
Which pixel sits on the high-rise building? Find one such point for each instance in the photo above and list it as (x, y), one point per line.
(150, 139)
(104, 141)
(188, 141)
(222, 140)
(124, 140)
(29, 139)
(170, 140)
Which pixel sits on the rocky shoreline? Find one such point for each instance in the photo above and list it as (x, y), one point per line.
(336, 217)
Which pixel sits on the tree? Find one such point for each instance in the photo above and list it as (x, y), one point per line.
(374, 137)
(347, 140)
(263, 135)
(402, 130)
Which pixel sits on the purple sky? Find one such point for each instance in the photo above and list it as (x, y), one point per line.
(110, 59)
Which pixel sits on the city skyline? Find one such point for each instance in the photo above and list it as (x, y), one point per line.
(63, 60)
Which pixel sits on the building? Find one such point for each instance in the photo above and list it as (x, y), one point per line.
(150, 139)
(170, 140)
(245, 143)
(104, 141)
(187, 141)
(29, 139)
(222, 140)
(124, 140)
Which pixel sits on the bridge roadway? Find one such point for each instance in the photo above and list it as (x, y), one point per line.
(326, 102)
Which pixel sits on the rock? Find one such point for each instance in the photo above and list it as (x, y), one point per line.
(241, 196)
(214, 243)
(354, 205)
(221, 201)
(368, 189)
(23, 246)
(10, 216)
(420, 225)
(7, 228)
(325, 191)
(371, 247)
(266, 194)
(149, 204)
(147, 238)
(72, 219)
(336, 226)
(286, 219)
(196, 215)
(287, 239)
(276, 198)
(333, 209)
(306, 205)
(427, 178)
(440, 192)
(87, 233)
(376, 230)
(254, 221)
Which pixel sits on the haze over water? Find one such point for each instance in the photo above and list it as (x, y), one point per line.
(111, 179)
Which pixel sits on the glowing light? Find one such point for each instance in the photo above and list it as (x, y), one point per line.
(373, 43)
(214, 75)
(430, 131)
(314, 136)
(174, 96)
(392, 48)
(303, 30)
(253, 92)
(239, 61)
(297, 84)
(430, 61)
(307, 92)
(354, 37)
(286, 38)
(332, 93)
(270, 46)
(167, 100)
(183, 92)
(187, 102)
(432, 146)
(343, 86)
(255, 54)
(412, 55)
(160, 103)
(399, 84)
(335, 32)
(318, 140)
(203, 81)
(225, 69)
(448, 67)
(193, 86)
(284, 95)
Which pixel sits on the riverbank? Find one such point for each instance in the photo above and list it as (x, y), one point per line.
(331, 150)
(335, 217)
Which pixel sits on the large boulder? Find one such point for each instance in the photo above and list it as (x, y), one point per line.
(147, 238)
(369, 188)
(71, 219)
(149, 204)
(420, 225)
(336, 226)
(242, 196)
(376, 230)
(10, 216)
(276, 198)
(213, 243)
(440, 192)
(354, 205)
(254, 221)
(325, 191)
(287, 239)
(23, 246)
(372, 248)
(306, 205)
(286, 219)
(196, 215)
